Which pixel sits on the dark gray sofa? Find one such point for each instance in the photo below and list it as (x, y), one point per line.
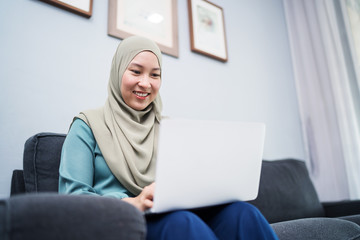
(35, 210)
(287, 199)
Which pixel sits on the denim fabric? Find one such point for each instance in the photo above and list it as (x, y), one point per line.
(237, 220)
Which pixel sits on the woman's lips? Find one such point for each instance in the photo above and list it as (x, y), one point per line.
(141, 95)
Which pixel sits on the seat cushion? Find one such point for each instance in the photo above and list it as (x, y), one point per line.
(41, 162)
(286, 192)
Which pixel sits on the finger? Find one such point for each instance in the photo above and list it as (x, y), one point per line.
(148, 203)
(148, 193)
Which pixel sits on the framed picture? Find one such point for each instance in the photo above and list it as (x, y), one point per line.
(154, 19)
(207, 29)
(80, 7)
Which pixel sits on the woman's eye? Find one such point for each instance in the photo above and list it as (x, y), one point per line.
(135, 71)
(156, 75)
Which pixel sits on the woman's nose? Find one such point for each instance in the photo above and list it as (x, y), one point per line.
(145, 82)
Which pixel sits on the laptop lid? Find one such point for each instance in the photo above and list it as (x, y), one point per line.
(204, 163)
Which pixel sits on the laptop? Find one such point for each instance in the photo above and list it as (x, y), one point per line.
(205, 163)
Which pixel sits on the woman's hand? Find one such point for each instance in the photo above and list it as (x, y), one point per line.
(144, 200)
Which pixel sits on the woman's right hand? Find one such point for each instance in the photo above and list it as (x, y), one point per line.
(144, 200)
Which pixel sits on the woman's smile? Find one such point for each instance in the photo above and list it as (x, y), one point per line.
(141, 95)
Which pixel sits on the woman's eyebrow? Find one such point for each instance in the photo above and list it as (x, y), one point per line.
(135, 65)
(141, 66)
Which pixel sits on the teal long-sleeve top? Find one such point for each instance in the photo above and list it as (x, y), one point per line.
(83, 169)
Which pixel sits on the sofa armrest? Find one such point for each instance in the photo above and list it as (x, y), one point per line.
(17, 182)
(316, 228)
(341, 208)
(54, 216)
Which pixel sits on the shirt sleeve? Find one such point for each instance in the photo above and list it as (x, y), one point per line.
(77, 165)
(76, 170)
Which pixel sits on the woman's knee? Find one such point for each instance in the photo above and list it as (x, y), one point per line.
(243, 206)
(242, 220)
(180, 217)
(182, 220)
(181, 225)
(244, 209)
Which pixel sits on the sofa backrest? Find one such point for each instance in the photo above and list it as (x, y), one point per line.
(41, 162)
(286, 192)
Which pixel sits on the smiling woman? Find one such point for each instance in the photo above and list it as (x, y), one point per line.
(111, 152)
(141, 81)
(121, 134)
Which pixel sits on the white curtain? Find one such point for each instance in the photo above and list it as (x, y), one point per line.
(328, 104)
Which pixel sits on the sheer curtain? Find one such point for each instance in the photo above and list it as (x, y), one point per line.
(327, 99)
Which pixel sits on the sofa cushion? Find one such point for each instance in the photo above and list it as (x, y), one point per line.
(286, 192)
(41, 162)
(317, 228)
(17, 182)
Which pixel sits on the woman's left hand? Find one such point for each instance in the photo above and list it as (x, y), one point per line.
(144, 200)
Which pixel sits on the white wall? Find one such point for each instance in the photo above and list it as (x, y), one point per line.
(54, 64)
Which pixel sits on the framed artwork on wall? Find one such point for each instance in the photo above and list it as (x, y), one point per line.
(154, 19)
(207, 29)
(80, 7)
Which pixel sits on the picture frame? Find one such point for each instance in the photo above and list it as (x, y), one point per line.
(80, 7)
(154, 19)
(207, 29)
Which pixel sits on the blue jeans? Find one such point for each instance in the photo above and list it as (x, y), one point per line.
(237, 220)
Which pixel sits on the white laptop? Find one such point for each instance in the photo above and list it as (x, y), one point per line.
(204, 163)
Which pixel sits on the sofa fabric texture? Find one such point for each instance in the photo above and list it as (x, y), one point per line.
(317, 229)
(54, 216)
(41, 162)
(17, 182)
(286, 192)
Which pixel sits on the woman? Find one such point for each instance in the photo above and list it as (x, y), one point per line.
(110, 152)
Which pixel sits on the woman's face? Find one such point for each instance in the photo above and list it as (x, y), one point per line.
(141, 81)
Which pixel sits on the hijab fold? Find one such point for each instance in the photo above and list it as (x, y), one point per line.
(126, 137)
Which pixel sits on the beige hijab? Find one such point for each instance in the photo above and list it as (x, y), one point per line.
(126, 137)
